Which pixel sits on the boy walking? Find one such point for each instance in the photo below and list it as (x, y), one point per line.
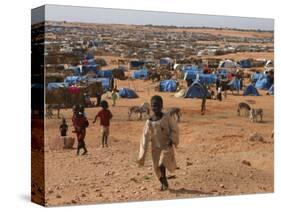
(105, 115)
(161, 131)
(80, 123)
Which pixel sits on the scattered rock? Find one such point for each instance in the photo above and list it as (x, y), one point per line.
(58, 196)
(73, 201)
(117, 191)
(50, 191)
(188, 163)
(83, 195)
(97, 190)
(247, 163)
(222, 186)
(143, 188)
(256, 137)
(214, 190)
(208, 170)
(99, 195)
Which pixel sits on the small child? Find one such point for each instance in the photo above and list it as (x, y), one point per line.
(105, 115)
(161, 131)
(114, 96)
(80, 123)
(63, 128)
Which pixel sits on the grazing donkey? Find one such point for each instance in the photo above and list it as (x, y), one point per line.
(242, 106)
(254, 113)
(138, 110)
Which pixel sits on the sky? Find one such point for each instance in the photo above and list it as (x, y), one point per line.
(138, 17)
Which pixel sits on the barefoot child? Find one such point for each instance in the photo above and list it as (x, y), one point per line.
(105, 115)
(162, 131)
(63, 128)
(80, 123)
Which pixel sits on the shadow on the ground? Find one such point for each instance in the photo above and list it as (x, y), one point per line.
(188, 191)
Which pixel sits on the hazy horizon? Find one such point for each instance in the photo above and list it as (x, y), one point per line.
(137, 17)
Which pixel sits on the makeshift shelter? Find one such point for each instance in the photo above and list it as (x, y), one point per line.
(207, 79)
(104, 81)
(168, 85)
(127, 93)
(227, 64)
(135, 64)
(197, 90)
(234, 84)
(140, 74)
(263, 82)
(89, 56)
(90, 68)
(271, 90)
(251, 91)
(166, 61)
(245, 63)
(105, 73)
(55, 85)
(71, 80)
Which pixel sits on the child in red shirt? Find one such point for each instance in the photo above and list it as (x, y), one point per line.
(105, 115)
(80, 123)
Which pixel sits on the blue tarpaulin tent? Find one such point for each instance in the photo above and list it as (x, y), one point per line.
(136, 64)
(207, 79)
(71, 80)
(166, 61)
(54, 85)
(245, 63)
(234, 84)
(127, 93)
(223, 73)
(90, 68)
(255, 77)
(251, 91)
(263, 82)
(89, 56)
(140, 74)
(197, 90)
(168, 86)
(105, 73)
(104, 81)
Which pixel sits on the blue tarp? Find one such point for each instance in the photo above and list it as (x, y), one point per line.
(255, 77)
(104, 81)
(197, 90)
(207, 79)
(136, 63)
(89, 56)
(89, 68)
(234, 84)
(71, 80)
(140, 74)
(105, 73)
(91, 62)
(127, 93)
(251, 90)
(54, 85)
(271, 90)
(165, 61)
(223, 73)
(168, 86)
(245, 63)
(263, 82)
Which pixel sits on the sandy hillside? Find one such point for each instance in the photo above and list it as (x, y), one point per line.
(215, 155)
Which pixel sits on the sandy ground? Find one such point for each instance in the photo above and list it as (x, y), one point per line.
(210, 155)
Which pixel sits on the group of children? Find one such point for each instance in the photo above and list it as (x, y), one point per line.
(80, 123)
(160, 130)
